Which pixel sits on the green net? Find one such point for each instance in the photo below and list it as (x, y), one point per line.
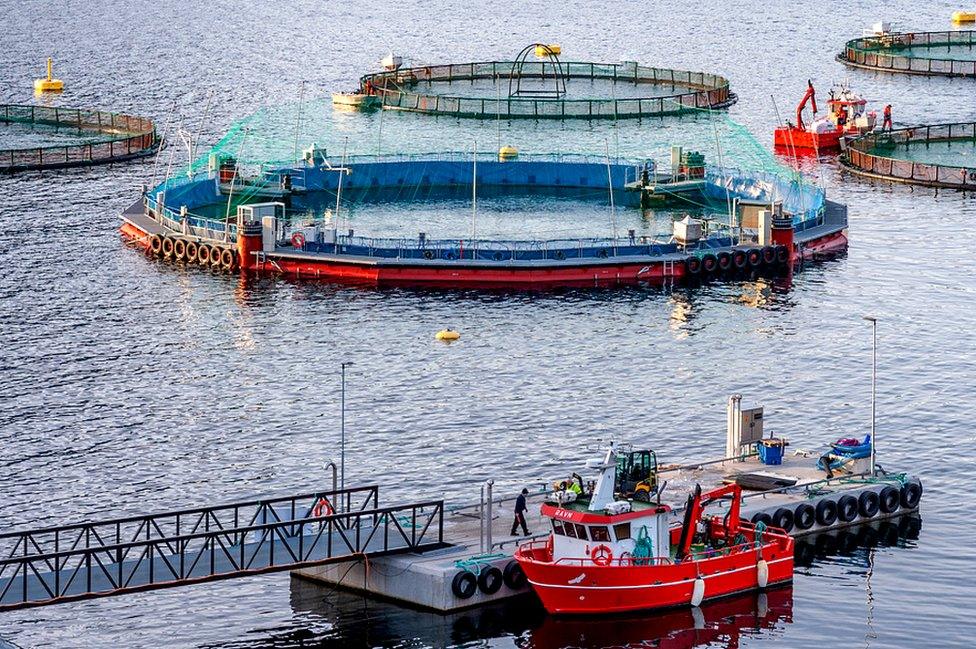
(278, 135)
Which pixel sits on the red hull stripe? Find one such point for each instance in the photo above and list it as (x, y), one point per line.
(661, 585)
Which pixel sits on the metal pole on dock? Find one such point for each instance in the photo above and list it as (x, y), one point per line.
(342, 427)
(874, 385)
(488, 542)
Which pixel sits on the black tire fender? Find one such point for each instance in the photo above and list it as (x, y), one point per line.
(490, 580)
(464, 584)
(911, 494)
(762, 517)
(846, 508)
(783, 519)
(890, 499)
(826, 512)
(868, 504)
(514, 576)
(804, 516)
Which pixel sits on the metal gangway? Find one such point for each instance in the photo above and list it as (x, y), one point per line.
(96, 559)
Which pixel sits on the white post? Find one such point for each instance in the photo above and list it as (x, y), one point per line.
(874, 386)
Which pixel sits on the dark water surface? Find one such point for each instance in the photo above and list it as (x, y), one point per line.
(130, 386)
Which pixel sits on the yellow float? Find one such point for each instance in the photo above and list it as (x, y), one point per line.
(959, 17)
(447, 334)
(49, 84)
(507, 152)
(542, 51)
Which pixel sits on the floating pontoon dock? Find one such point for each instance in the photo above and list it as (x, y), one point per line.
(794, 495)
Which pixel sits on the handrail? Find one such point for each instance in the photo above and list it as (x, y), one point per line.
(373, 490)
(235, 531)
(127, 136)
(862, 158)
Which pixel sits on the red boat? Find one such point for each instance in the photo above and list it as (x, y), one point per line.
(846, 116)
(607, 554)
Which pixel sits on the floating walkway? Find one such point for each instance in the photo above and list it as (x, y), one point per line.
(885, 155)
(103, 138)
(95, 559)
(544, 90)
(924, 53)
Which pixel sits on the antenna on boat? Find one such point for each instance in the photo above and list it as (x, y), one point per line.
(298, 122)
(613, 211)
(474, 197)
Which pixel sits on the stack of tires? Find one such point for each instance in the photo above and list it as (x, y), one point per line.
(488, 579)
(844, 508)
(215, 256)
(726, 262)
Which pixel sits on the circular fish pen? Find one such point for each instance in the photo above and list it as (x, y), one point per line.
(940, 155)
(948, 54)
(546, 89)
(52, 137)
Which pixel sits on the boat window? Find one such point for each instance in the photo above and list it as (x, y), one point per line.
(557, 527)
(580, 531)
(621, 531)
(600, 533)
(569, 530)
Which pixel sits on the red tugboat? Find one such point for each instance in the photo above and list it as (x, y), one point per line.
(612, 550)
(846, 116)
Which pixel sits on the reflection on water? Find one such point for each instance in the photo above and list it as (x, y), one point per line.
(854, 544)
(343, 619)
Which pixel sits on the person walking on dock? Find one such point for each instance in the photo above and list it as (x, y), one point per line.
(886, 124)
(520, 508)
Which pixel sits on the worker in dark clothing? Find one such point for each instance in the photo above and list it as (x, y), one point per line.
(520, 514)
(886, 125)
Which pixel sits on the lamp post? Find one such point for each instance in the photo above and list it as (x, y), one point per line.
(874, 385)
(342, 427)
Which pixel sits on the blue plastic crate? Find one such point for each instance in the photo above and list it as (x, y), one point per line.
(771, 451)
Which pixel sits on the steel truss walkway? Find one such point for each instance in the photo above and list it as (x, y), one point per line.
(84, 560)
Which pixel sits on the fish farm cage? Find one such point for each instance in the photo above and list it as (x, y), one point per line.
(924, 53)
(876, 155)
(101, 137)
(543, 90)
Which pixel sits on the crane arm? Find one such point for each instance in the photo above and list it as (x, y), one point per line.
(809, 95)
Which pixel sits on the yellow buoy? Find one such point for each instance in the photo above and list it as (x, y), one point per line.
(545, 50)
(50, 84)
(964, 17)
(507, 152)
(447, 334)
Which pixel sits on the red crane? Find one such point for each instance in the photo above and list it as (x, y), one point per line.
(810, 96)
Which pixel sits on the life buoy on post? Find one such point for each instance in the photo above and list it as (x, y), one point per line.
(298, 240)
(322, 508)
(601, 555)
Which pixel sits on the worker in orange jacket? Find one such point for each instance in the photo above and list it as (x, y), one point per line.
(886, 125)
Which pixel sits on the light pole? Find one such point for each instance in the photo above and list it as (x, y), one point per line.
(342, 427)
(874, 384)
